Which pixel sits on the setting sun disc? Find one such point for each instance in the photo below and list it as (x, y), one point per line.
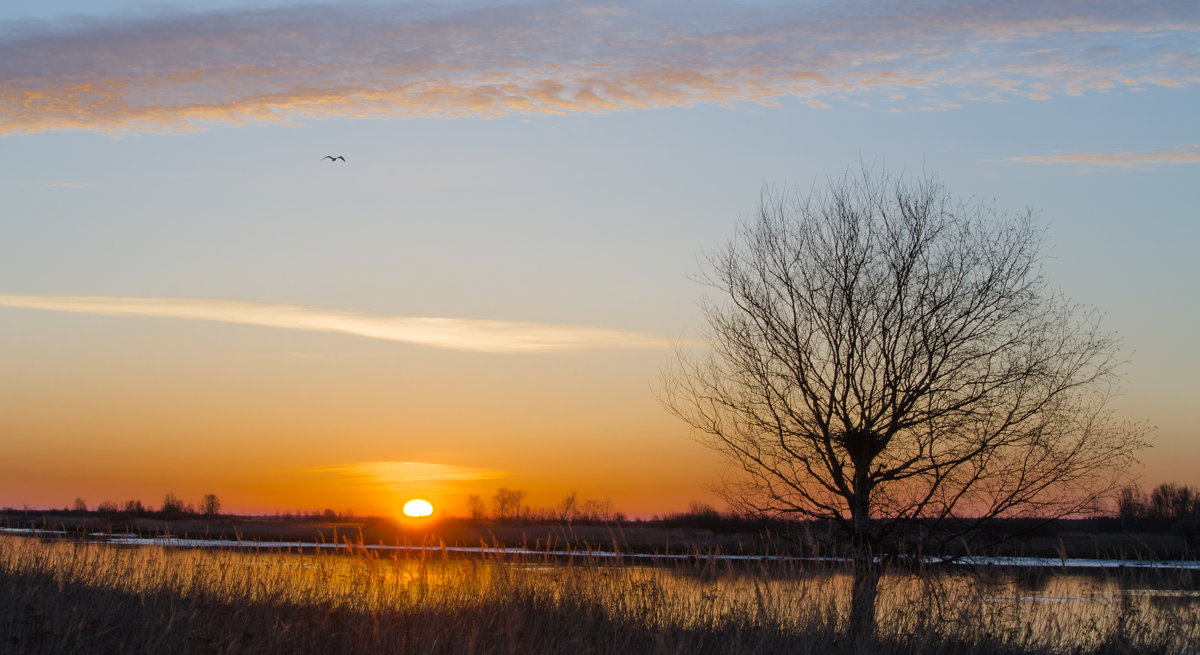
(418, 507)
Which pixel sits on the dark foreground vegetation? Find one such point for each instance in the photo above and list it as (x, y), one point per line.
(64, 596)
(78, 618)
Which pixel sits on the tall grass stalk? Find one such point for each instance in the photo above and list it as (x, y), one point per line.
(68, 597)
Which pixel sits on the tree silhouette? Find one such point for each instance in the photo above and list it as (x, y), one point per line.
(172, 505)
(475, 507)
(894, 362)
(210, 505)
(508, 502)
(1167, 501)
(567, 508)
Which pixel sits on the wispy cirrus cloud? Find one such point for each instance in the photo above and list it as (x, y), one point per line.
(473, 335)
(180, 71)
(1121, 158)
(399, 474)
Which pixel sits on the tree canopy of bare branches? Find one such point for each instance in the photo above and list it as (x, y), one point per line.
(508, 503)
(888, 359)
(210, 505)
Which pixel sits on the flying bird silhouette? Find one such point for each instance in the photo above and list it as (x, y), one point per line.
(332, 158)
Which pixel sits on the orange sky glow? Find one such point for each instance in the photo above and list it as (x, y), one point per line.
(484, 290)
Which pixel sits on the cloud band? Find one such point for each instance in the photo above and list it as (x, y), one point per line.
(473, 335)
(180, 71)
(1121, 158)
(398, 474)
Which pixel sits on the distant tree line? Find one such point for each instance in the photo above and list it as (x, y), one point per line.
(509, 505)
(318, 516)
(1166, 502)
(172, 507)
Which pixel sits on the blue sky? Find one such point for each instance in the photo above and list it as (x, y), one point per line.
(557, 169)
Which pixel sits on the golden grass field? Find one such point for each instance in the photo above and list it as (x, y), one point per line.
(66, 596)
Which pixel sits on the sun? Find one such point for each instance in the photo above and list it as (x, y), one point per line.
(418, 507)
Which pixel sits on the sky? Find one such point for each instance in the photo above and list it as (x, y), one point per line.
(485, 292)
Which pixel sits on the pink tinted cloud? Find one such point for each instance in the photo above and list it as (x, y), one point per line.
(183, 71)
(1121, 158)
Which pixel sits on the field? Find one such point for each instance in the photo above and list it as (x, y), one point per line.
(71, 596)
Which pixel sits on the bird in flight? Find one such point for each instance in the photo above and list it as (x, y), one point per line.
(332, 158)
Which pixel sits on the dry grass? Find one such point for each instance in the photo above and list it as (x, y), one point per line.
(68, 597)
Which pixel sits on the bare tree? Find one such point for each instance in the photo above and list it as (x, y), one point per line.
(1131, 504)
(210, 505)
(79, 505)
(596, 510)
(475, 508)
(1173, 501)
(508, 502)
(894, 362)
(567, 508)
(172, 505)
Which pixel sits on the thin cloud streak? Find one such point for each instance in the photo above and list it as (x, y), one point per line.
(1122, 158)
(398, 474)
(472, 335)
(183, 71)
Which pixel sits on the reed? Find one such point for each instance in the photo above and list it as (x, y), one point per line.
(63, 596)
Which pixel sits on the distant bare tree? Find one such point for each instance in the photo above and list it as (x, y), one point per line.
(134, 507)
(1168, 501)
(567, 508)
(172, 504)
(79, 505)
(1131, 503)
(108, 507)
(596, 510)
(892, 361)
(703, 511)
(210, 505)
(508, 502)
(1174, 501)
(475, 507)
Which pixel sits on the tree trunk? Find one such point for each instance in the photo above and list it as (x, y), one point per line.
(863, 590)
(865, 585)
